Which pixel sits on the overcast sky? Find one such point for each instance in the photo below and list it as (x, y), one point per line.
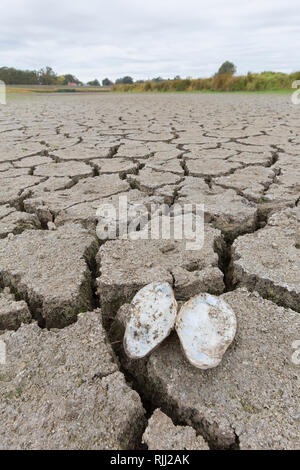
(145, 39)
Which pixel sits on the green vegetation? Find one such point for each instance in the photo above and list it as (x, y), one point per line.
(227, 67)
(65, 90)
(124, 81)
(265, 81)
(69, 78)
(13, 76)
(107, 82)
(94, 82)
(46, 80)
(45, 77)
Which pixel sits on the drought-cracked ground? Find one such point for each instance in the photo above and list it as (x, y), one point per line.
(64, 296)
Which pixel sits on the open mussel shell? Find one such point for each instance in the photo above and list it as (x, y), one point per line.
(153, 315)
(206, 326)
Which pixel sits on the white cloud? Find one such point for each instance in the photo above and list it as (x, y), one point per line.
(98, 39)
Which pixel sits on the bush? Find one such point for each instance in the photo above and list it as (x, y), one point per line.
(221, 82)
(65, 90)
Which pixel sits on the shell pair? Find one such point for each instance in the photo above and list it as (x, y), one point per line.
(206, 325)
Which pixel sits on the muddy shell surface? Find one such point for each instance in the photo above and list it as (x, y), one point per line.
(206, 326)
(153, 315)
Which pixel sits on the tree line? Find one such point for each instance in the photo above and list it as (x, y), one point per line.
(47, 76)
(223, 80)
(44, 76)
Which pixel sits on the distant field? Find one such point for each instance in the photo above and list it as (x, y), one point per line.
(22, 89)
(54, 89)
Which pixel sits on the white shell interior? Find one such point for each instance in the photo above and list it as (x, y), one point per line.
(206, 326)
(153, 315)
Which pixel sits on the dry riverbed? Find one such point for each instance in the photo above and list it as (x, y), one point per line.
(64, 295)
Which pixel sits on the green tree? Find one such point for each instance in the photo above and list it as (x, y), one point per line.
(227, 67)
(60, 79)
(69, 78)
(107, 82)
(94, 82)
(47, 76)
(12, 76)
(125, 80)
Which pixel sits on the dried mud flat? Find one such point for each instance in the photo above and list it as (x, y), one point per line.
(67, 383)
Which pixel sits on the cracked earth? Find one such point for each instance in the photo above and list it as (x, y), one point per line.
(64, 296)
